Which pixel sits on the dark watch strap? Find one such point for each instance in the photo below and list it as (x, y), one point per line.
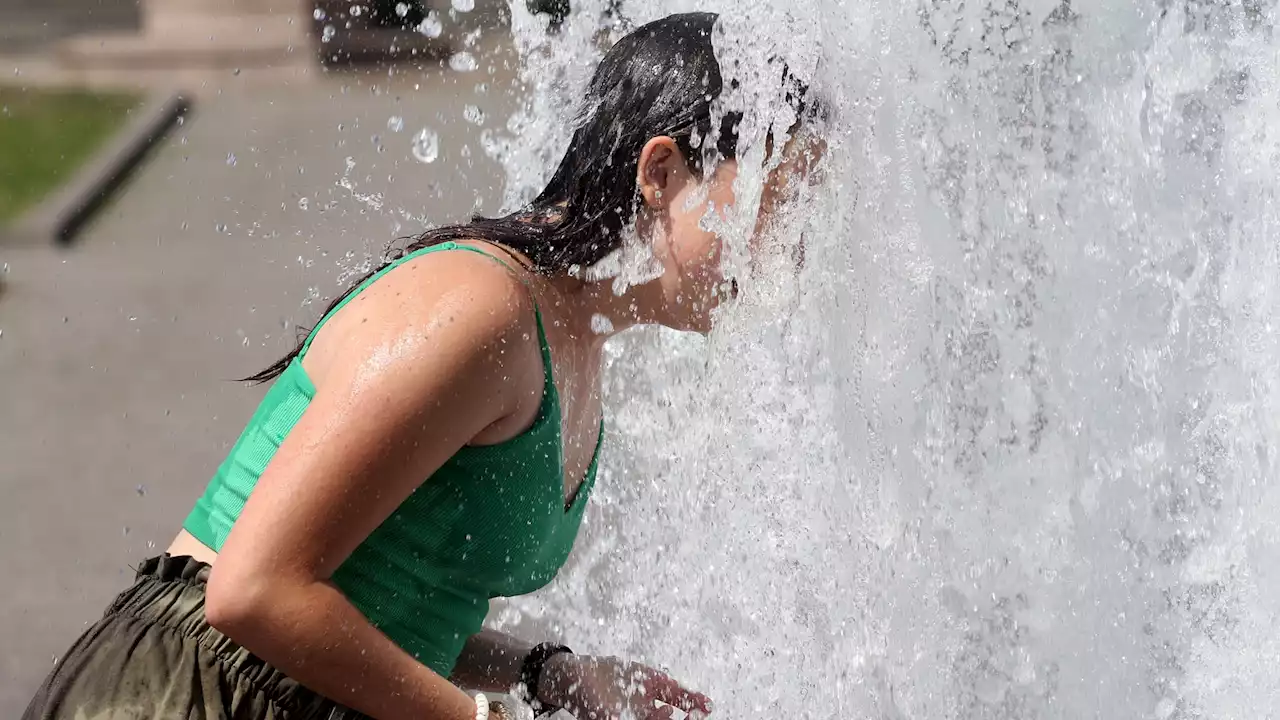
(531, 672)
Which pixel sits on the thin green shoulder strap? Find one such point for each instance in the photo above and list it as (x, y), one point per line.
(537, 314)
(449, 245)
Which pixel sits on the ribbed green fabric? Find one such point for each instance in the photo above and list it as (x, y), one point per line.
(491, 522)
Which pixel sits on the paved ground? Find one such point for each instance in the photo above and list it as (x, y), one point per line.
(116, 355)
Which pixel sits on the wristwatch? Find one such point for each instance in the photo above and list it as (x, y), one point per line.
(531, 673)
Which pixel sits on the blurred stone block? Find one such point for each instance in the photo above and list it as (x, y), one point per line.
(364, 31)
(213, 34)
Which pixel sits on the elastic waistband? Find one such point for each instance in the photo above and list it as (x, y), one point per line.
(167, 568)
(170, 592)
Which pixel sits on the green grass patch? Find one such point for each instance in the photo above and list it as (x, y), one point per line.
(46, 135)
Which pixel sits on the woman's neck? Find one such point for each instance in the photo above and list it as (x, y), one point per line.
(578, 305)
(595, 312)
(589, 310)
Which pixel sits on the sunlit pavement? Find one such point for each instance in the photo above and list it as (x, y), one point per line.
(117, 354)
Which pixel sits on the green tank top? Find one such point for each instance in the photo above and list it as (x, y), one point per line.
(491, 522)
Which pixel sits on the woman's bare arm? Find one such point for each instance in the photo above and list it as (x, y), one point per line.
(437, 361)
(491, 662)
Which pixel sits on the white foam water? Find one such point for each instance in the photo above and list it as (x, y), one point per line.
(1005, 445)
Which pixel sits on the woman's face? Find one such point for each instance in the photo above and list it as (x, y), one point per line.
(691, 285)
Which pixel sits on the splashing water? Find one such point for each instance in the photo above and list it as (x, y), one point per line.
(1005, 446)
(431, 25)
(473, 115)
(425, 145)
(463, 62)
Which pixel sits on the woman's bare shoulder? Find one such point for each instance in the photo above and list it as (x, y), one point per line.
(440, 302)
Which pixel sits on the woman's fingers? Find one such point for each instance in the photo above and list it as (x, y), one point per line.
(664, 688)
(666, 712)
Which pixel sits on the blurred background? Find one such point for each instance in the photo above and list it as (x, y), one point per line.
(119, 343)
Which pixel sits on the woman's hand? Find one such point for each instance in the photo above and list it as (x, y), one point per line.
(596, 688)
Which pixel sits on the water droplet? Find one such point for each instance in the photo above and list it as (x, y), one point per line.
(357, 10)
(303, 203)
(601, 325)
(184, 225)
(141, 490)
(395, 123)
(236, 71)
(426, 146)
(231, 159)
(463, 62)
(220, 228)
(430, 25)
(319, 14)
(328, 33)
(402, 9)
(125, 531)
(151, 544)
(473, 115)
(5, 269)
(463, 6)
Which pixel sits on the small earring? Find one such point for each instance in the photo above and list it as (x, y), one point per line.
(657, 194)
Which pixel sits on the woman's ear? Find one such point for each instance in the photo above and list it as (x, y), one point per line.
(661, 171)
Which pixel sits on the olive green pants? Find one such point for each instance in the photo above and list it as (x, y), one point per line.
(153, 657)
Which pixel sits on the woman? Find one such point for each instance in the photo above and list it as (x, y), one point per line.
(430, 445)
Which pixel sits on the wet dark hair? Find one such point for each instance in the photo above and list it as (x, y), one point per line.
(662, 79)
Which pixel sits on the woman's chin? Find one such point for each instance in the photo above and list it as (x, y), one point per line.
(702, 324)
(699, 316)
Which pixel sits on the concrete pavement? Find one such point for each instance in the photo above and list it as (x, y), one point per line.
(116, 354)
